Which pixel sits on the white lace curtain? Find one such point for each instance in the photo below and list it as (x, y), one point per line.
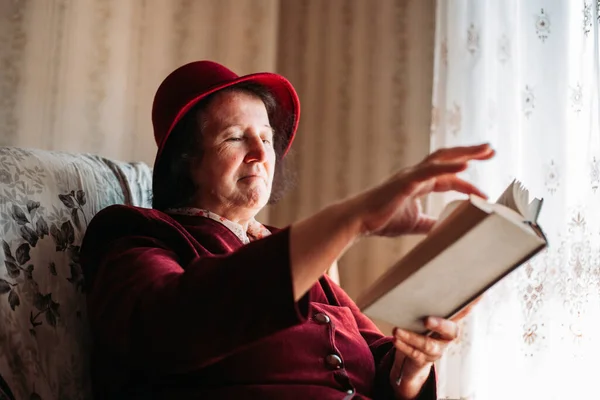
(523, 75)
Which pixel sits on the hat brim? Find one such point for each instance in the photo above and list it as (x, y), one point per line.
(281, 89)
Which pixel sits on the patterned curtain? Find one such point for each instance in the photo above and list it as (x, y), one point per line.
(524, 76)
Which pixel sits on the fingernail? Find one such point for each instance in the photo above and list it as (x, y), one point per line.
(399, 333)
(433, 322)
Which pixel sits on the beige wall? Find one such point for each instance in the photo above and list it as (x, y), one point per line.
(80, 75)
(363, 70)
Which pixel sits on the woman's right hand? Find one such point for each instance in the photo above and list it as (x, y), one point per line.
(393, 208)
(390, 209)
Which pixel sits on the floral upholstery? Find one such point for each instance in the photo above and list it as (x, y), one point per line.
(46, 201)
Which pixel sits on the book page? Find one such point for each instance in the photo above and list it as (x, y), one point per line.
(516, 197)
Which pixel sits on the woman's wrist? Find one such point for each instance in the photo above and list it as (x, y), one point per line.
(408, 382)
(349, 215)
(355, 211)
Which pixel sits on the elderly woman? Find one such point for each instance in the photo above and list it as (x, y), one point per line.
(195, 299)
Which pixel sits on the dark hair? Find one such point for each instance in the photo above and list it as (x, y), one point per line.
(172, 183)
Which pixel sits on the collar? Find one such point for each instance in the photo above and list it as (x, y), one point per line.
(255, 230)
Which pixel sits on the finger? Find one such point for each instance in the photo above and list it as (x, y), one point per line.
(446, 329)
(485, 155)
(424, 172)
(461, 314)
(430, 347)
(480, 152)
(466, 310)
(476, 301)
(452, 182)
(424, 224)
(477, 152)
(411, 352)
(446, 183)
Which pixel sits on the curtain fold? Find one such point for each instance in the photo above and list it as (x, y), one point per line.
(364, 72)
(80, 75)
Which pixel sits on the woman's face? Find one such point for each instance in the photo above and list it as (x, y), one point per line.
(235, 173)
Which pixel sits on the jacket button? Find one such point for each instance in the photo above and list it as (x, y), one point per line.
(322, 318)
(333, 361)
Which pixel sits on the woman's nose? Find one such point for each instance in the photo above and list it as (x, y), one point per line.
(256, 150)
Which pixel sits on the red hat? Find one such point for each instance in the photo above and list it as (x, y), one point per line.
(192, 82)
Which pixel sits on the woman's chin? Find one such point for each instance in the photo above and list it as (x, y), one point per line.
(256, 197)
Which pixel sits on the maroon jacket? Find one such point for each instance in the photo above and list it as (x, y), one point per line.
(180, 309)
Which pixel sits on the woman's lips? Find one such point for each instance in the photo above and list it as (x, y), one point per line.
(252, 177)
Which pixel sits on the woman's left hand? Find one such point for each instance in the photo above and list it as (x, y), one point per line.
(416, 353)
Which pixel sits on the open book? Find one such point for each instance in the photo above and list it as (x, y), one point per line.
(474, 244)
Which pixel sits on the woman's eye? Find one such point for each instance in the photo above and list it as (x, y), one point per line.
(266, 141)
(234, 139)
